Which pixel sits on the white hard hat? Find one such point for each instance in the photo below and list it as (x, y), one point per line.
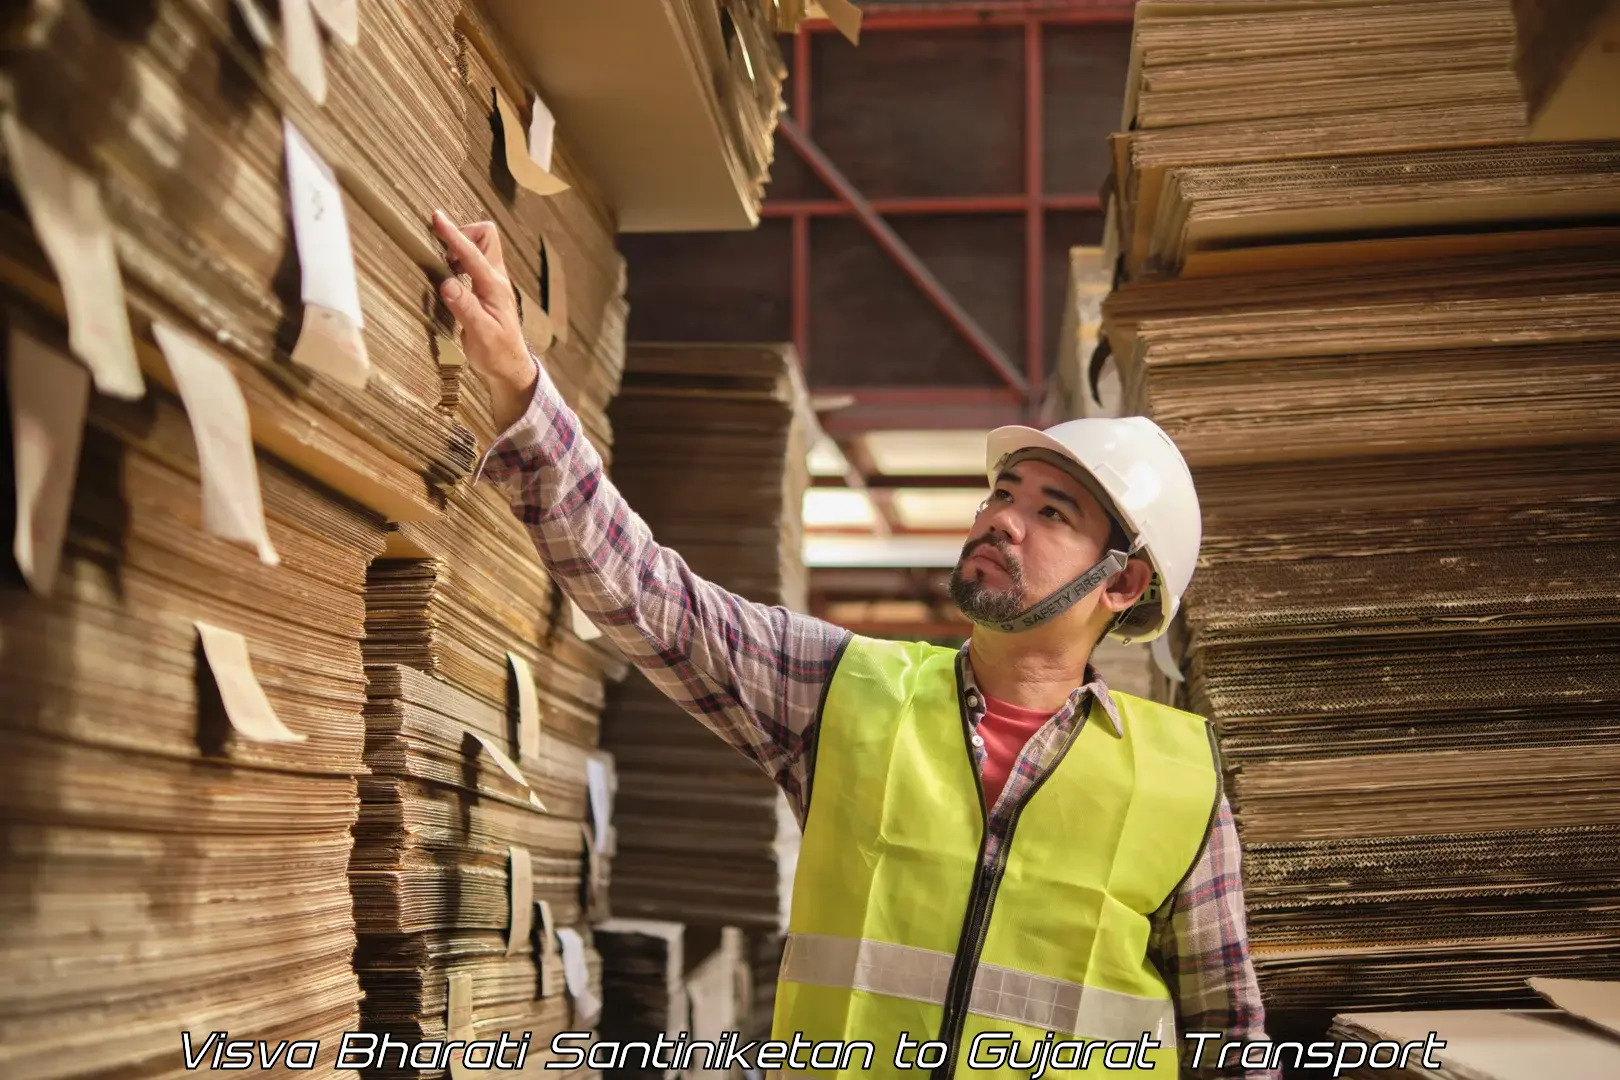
(1145, 484)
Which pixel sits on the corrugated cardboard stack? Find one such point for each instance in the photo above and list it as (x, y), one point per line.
(1380, 325)
(674, 986)
(485, 829)
(1574, 1034)
(712, 456)
(189, 703)
(184, 729)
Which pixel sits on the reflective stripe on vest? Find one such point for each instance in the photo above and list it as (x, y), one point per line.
(901, 925)
(1067, 1008)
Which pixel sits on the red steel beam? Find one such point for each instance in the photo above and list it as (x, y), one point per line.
(800, 301)
(968, 16)
(933, 204)
(902, 254)
(1034, 219)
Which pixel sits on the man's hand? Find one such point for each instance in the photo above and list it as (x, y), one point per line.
(481, 299)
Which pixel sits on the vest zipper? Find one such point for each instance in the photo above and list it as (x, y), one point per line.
(986, 883)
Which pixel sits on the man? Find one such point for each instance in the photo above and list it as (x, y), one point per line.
(999, 856)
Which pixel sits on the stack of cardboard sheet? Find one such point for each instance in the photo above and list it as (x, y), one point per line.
(1319, 119)
(1405, 434)
(556, 240)
(485, 828)
(183, 722)
(643, 989)
(686, 988)
(1577, 1039)
(256, 196)
(711, 453)
(1409, 357)
(195, 163)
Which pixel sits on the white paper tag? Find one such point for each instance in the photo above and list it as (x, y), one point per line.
(246, 705)
(584, 629)
(578, 976)
(232, 505)
(542, 131)
(342, 17)
(599, 782)
(305, 59)
(64, 204)
(330, 339)
(50, 395)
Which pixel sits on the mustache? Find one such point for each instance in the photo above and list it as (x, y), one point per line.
(1001, 547)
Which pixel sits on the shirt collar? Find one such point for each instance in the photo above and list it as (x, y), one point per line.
(1094, 687)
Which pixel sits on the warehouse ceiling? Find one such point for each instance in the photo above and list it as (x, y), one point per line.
(928, 191)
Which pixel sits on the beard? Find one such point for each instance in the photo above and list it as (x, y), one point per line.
(980, 602)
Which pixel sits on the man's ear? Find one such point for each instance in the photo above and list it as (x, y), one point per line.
(1126, 587)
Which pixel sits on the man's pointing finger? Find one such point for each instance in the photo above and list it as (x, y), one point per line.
(467, 258)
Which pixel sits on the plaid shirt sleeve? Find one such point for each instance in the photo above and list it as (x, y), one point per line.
(1201, 946)
(750, 673)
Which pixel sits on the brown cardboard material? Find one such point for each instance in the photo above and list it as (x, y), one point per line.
(844, 15)
(65, 206)
(706, 431)
(1595, 1002)
(520, 869)
(538, 329)
(1486, 1045)
(528, 708)
(232, 505)
(524, 168)
(246, 705)
(556, 289)
(49, 395)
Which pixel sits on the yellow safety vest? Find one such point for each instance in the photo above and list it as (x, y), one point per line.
(899, 925)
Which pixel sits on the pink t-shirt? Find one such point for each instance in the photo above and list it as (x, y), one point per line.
(1005, 729)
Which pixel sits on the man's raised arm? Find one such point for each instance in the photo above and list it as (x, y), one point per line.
(751, 673)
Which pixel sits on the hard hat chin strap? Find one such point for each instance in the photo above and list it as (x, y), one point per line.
(1062, 599)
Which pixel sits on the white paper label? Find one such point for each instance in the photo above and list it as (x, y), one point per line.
(584, 629)
(599, 782)
(322, 230)
(330, 340)
(50, 394)
(64, 204)
(578, 976)
(542, 130)
(232, 505)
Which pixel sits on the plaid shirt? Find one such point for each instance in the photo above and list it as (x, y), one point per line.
(754, 675)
